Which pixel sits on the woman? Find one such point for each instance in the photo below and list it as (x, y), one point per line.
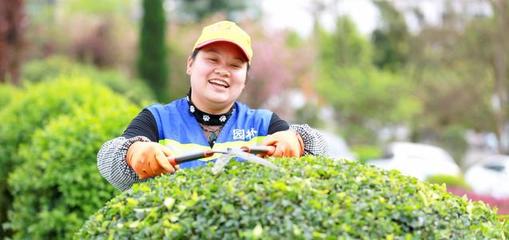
(208, 117)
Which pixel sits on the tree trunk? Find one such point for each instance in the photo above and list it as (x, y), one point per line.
(11, 42)
(499, 63)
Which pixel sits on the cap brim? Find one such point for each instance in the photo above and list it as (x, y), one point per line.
(203, 44)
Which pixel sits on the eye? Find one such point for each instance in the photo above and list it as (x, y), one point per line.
(236, 66)
(212, 60)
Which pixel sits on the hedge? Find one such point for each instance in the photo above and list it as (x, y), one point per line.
(54, 67)
(314, 198)
(449, 181)
(20, 118)
(37, 106)
(7, 94)
(501, 204)
(58, 185)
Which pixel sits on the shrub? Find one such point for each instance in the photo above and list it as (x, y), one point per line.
(313, 198)
(7, 93)
(36, 71)
(366, 152)
(34, 109)
(502, 204)
(449, 181)
(20, 118)
(58, 185)
(55, 67)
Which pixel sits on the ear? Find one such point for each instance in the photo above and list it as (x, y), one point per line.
(189, 65)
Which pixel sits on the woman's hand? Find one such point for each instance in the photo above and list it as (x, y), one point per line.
(288, 144)
(149, 159)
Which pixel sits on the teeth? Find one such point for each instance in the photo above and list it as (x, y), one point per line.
(219, 82)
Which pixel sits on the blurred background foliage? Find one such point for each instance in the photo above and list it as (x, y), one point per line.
(436, 80)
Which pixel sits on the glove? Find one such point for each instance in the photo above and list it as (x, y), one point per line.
(288, 144)
(149, 159)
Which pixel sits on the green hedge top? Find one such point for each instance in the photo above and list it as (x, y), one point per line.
(313, 198)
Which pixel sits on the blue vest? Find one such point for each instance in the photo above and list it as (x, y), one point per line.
(179, 130)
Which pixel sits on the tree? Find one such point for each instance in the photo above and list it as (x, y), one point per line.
(345, 46)
(364, 98)
(12, 23)
(499, 63)
(390, 39)
(469, 53)
(198, 10)
(152, 65)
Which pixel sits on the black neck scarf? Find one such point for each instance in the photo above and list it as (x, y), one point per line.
(206, 118)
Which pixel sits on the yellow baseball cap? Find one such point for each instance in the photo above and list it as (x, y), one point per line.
(228, 32)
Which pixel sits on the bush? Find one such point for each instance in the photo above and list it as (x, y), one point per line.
(36, 71)
(7, 93)
(34, 109)
(449, 181)
(58, 185)
(313, 198)
(366, 152)
(55, 67)
(501, 204)
(31, 111)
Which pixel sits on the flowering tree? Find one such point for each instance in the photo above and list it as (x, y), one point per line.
(277, 66)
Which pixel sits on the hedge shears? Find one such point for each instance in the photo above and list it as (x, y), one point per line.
(245, 153)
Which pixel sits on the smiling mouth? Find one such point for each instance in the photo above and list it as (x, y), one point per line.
(219, 82)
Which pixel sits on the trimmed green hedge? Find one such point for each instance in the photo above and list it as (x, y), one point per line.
(55, 67)
(58, 185)
(314, 198)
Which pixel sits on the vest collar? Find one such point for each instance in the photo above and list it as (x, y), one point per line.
(207, 118)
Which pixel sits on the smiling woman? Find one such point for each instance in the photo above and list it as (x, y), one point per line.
(218, 73)
(209, 117)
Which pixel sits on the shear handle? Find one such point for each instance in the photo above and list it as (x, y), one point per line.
(189, 157)
(265, 150)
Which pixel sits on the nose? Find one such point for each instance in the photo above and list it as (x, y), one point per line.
(222, 72)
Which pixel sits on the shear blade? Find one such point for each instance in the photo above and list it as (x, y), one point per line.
(255, 159)
(221, 163)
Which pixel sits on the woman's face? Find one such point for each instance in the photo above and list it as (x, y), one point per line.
(218, 76)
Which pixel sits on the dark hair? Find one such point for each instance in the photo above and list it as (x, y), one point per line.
(195, 52)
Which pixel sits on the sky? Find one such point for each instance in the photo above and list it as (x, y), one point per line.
(295, 14)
